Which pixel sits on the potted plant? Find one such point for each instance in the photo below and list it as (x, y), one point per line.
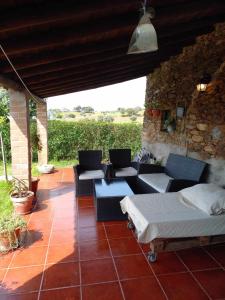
(170, 125)
(21, 197)
(153, 108)
(46, 169)
(10, 229)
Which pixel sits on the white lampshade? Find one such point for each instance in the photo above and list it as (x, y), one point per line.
(201, 87)
(144, 38)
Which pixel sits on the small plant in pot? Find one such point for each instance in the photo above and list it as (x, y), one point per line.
(10, 229)
(21, 197)
(170, 125)
(152, 108)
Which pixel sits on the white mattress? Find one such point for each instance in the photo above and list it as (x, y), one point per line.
(166, 216)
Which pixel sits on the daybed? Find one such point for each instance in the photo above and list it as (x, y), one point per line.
(187, 214)
(179, 172)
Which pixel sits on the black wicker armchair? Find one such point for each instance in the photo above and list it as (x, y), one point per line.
(88, 169)
(121, 164)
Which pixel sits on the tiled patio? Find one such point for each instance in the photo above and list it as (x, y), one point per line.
(68, 255)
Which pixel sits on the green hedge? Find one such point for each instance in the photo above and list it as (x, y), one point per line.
(66, 138)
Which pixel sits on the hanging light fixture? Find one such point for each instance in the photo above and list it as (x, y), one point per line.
(203, 83)
(144, 38)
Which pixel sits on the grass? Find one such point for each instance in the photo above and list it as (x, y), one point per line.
(35, 173)
(6, 206)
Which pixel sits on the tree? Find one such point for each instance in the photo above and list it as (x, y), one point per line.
(2, 121)
(59, 116)
(4, 103)
(71, 115)
(32, 108)
(133, 118)
(105, 118)
(122, 111)
(77, 108)
(87, 109)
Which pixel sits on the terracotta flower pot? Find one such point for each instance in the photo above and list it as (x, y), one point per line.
(149, 112)
(156, 113)
(23, 205)
(46, 169)
(34, 187)
(10, 240)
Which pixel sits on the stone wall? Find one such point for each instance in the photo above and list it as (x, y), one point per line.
(201, 132)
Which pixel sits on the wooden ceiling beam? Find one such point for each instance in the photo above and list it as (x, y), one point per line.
(95, 60)
(76, 67)
(50, 70)
(101, 77)
(57, 55)
(48, 13)
(105, 29)
(93, 85)
(108, 66)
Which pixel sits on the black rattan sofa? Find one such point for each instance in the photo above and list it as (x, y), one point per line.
(179, 172)
(88, 169)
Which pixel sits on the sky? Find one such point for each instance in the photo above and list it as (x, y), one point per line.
(127, 94)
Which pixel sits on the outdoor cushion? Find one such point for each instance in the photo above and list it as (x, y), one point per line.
(124, 172)
(159, 181)
(208, 197)
(92, 174)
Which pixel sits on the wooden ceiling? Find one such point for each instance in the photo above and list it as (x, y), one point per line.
(60, 47)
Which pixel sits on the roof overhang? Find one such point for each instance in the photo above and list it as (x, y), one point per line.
(60, 47)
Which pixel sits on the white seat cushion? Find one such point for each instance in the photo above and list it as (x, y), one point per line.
(159, 181)
(92, 174)
(124, 172)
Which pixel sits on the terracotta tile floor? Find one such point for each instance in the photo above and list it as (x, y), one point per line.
(67, 255)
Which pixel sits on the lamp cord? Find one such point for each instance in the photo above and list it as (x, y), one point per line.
(19, 77)
(144, 6)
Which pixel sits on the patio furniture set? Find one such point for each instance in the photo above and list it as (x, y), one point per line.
(169, 207)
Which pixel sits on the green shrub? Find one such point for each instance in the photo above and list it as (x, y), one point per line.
(66, 138)
(6, 206)
(6, 139)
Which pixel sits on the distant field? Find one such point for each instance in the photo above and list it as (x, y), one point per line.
(117, 116)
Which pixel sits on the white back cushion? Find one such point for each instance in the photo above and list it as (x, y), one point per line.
(206, 196)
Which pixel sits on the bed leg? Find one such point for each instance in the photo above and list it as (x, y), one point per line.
(204, 240)
(156, 246)
(130, 224)
(152, 256)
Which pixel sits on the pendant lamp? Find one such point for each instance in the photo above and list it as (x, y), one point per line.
(144, 38)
